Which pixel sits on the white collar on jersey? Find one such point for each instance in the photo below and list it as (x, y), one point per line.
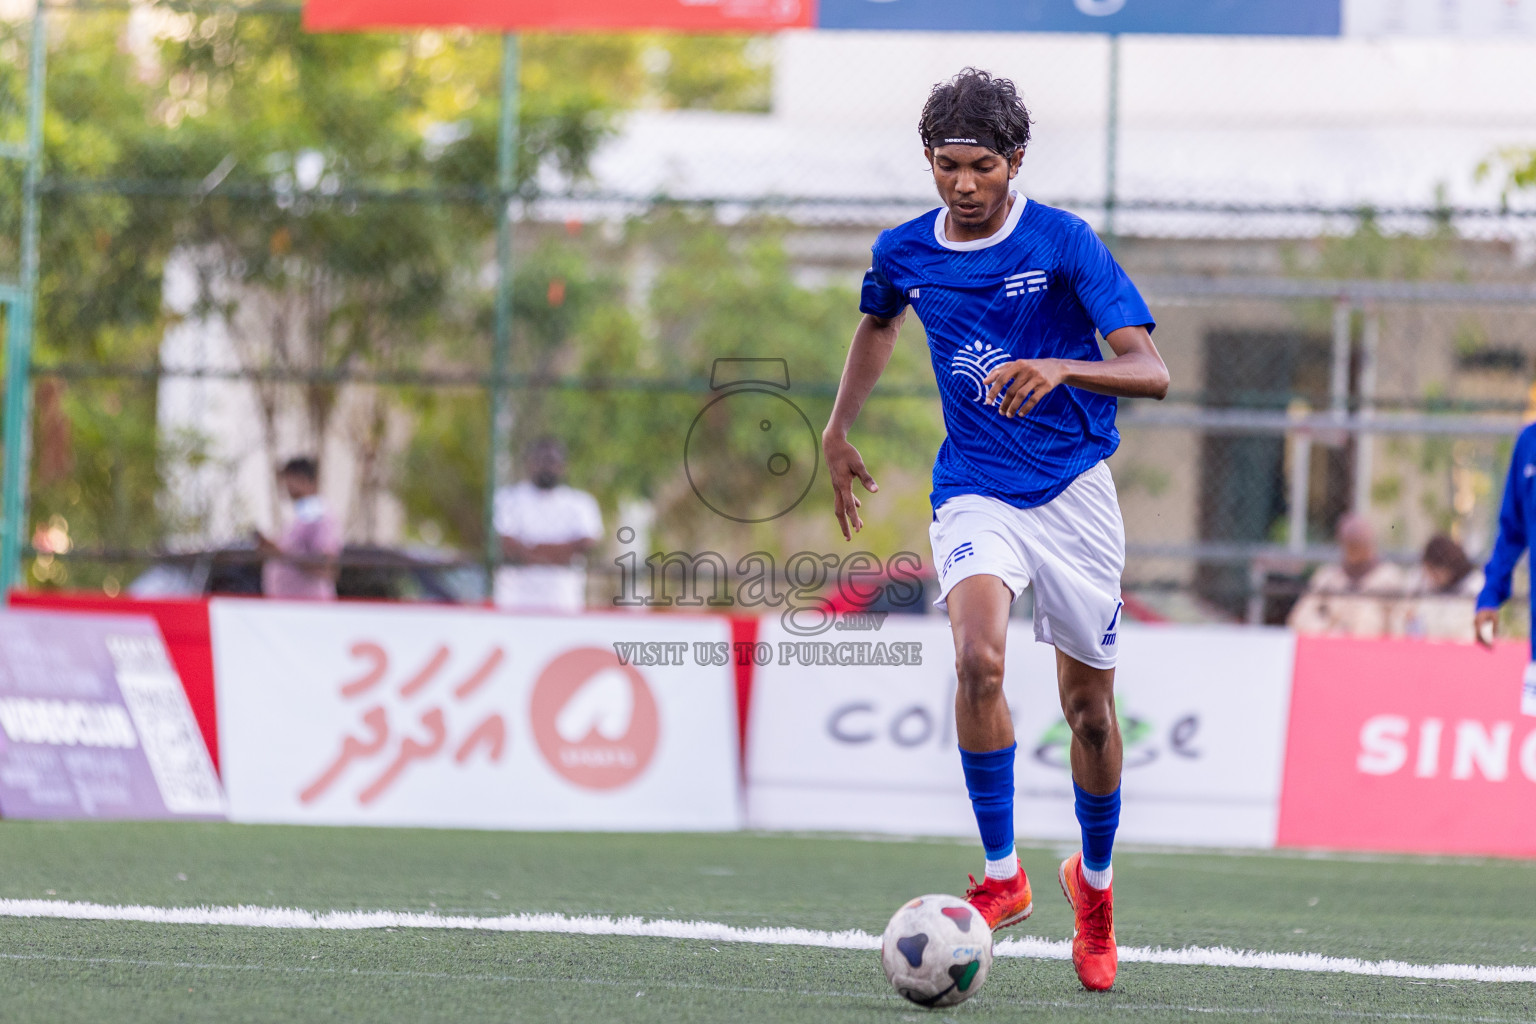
(1019, 202)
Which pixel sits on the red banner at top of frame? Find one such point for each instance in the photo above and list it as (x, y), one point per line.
(562, 15)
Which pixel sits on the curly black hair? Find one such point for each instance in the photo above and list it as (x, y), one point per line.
(976, 104)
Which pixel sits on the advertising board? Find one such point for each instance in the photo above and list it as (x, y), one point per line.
(873, 747)
(1413, 746)
(94, 722)
(389, 715)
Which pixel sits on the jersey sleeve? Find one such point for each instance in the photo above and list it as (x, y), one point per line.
(1101, 285)
(1513, 538)
(879, 297)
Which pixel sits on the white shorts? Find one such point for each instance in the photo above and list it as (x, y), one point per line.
(1072, 549)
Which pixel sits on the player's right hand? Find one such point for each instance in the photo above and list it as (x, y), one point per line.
(1486, 625)
(843, 464)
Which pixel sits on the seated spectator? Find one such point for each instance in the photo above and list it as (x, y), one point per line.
(302, 564)
(1442, 594)
(1355, 597)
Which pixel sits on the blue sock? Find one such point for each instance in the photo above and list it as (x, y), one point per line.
(1099, 816)
(989, 780)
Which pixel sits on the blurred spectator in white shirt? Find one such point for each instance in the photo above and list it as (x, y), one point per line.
(302, 563)
(1443, 594)
(546, 529)
(1358, 596)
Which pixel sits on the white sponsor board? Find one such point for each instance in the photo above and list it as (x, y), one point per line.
(390, 715)
(1203, 712)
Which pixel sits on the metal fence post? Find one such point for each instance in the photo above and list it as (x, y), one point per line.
(18, 340)
(1338, 383)
(1299, 490)
(1370, 341)
(499, 435)
(1112, 141)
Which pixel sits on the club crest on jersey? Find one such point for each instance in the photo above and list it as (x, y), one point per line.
(1027, 283)
(974, 362)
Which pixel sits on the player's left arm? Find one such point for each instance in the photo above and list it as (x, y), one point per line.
(1136, 371)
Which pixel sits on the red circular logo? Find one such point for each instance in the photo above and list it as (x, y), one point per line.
(594, 718)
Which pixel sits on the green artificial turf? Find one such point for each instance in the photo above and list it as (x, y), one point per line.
(1457, 911)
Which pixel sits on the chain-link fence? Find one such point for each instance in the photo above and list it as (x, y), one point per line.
(258, 242)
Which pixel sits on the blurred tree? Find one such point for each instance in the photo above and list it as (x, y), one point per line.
(734, 293)
(1369, 252)
(99, 303)
(329, 279)
(720, 293)
(1517, 166)
(712, 72)
(299, 237)
(307, 270)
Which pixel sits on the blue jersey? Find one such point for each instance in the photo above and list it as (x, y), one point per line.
(1037, 289)
(1517, 522)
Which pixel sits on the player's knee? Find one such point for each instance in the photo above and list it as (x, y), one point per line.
(1092, 721)
(979, 666)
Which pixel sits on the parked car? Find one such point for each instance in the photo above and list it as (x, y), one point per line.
(368, 572)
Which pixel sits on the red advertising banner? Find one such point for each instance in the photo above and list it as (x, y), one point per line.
(183, 623)
(1409, 746)
(562, 15)
(94, 722)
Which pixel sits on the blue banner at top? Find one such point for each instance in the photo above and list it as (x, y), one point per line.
(1179, 17)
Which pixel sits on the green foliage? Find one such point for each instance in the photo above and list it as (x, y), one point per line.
(1369, 252)
(292, 136)
(1516, 164)
(715, 72)
(442, 472)
(640, 381)
(572, 89)
(98, 458)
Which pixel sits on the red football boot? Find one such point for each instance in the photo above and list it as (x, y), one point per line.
(1004, 902)
(1093, 942)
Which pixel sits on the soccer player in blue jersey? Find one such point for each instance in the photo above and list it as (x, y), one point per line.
(1011, 293)
(1517, 527)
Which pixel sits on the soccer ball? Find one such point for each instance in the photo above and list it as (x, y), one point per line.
(937, 950)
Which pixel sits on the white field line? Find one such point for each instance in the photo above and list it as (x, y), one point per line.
(709, 931)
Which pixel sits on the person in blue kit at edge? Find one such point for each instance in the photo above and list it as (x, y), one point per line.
(1517, 521)
(1011, 294)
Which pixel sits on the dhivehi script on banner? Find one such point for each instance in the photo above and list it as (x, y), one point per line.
(389, 715)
